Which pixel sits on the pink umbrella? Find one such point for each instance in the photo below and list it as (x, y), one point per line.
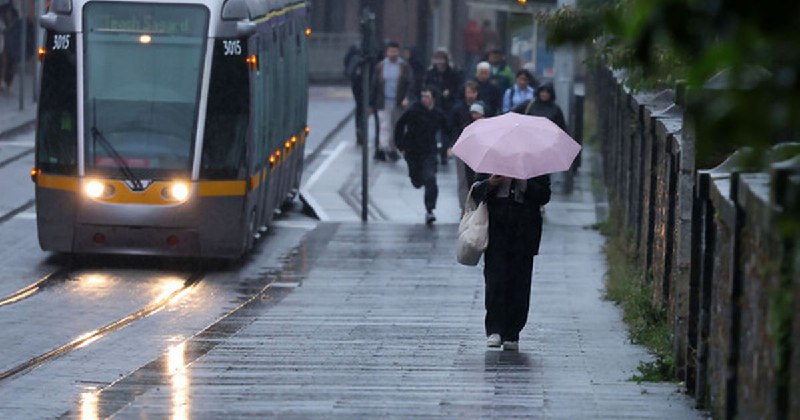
(517, 146)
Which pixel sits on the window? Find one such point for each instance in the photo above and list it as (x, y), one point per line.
(143, 67)
(224, 142)
(56, 134)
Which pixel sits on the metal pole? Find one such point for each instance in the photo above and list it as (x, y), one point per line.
(23, 30)
(535, 42)
(39, 8)
(367, 28)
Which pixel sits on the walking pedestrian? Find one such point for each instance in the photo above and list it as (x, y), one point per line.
(2, 46)
(415, 134)
(488, 92)
(446, 80)
(544, 105)
(11, 50)
(473, 44)
(521, 92)
(459, 118)
(353, 66)
(501, 74)
(411, 55)
(515, 231)
(491, 39)
(392, 91)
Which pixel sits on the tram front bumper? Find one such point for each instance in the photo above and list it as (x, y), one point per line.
(104, 239)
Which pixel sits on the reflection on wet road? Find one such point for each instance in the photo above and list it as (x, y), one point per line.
(170, 289)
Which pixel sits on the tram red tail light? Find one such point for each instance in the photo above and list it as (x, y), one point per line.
(35, 175)
(173, 241)
(40, 53)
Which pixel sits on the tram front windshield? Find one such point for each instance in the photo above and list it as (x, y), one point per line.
(142, 70)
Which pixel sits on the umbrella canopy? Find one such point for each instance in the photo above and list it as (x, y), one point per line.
(517, 146)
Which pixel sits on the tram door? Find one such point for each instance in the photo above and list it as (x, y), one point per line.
(260, 133)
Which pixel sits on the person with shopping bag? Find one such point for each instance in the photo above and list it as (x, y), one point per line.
(513, 155)
(515, 231)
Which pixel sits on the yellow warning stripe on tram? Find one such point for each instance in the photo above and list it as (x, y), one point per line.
(230, 188)
(57, 182)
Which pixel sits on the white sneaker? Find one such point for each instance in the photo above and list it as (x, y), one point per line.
(493, 340)
(511, 345)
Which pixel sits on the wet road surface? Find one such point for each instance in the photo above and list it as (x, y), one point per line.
(324, 319)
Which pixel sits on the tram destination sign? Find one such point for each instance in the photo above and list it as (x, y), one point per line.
(148, 24)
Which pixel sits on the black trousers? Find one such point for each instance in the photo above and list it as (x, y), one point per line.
(513, 242)
(422, 171)
(355, 87)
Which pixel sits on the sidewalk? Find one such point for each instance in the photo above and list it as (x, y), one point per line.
(11, 118)
(378, 320)
(333, 188)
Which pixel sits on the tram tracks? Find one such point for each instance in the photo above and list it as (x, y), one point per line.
(34, 288)
(161, 301)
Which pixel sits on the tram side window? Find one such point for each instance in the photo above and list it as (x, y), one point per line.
(57, 134)
(224, 143)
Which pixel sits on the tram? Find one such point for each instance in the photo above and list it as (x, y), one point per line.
(171, 127)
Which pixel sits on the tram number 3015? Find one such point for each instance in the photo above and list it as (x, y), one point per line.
(233, 47)
(61, 42)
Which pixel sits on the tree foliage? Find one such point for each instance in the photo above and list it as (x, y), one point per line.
(739, 58)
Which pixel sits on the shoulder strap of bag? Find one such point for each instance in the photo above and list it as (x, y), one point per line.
(528, 108)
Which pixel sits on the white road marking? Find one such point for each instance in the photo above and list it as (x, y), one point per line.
(285, 285)
(297, 224)
(304, 190)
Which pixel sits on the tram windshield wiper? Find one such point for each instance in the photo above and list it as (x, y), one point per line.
(136, 183)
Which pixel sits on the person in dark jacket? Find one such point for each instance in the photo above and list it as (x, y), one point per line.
(11, 34)
(415, 136)
(544, 105)
(458, 119)
(353, 66)
(447, 81)
(445, 78)
(488, 92)
(411, 55)
(515, 231)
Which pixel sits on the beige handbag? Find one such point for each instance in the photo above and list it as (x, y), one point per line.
(473, 232)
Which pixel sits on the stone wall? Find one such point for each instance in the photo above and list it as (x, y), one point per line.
(715, 249)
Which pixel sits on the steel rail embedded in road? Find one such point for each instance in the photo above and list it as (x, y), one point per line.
(11, 214)
(34, 288)
(16, 157)
(91, 336)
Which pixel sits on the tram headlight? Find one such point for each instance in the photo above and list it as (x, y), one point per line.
(96, 189)
(178, 191)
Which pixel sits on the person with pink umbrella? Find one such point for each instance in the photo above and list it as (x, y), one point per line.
(513, 155)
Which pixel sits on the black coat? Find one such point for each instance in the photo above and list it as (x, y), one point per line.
(415, 132)
(547, 109)
(515, 227)
(491, 95)
(449, 80)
